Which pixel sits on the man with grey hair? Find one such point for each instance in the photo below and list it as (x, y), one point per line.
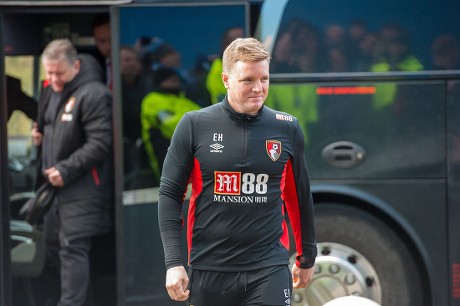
(247, 166)
(74, 135)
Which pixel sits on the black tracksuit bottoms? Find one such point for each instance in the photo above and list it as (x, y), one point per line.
(71, 257)
(261, 287)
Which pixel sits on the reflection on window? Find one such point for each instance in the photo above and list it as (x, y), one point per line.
(20, 67)
(22, 108)
(366, 37)
(166, 72)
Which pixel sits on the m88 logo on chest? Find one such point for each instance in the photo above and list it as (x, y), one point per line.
(232, 186)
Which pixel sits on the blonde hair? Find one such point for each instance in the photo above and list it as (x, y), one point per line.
(60, 49)
(245, 50)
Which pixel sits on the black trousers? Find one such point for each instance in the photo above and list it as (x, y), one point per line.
(71, 257)
(262, 287)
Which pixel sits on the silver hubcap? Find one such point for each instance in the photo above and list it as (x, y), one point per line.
(339, 271)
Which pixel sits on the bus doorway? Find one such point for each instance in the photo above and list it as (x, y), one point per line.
(25, 31)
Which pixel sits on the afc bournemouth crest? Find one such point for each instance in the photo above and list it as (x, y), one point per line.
(273, 148)
(67, 115)
(70, 104)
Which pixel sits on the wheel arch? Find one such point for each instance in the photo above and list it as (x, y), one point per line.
(358, 199)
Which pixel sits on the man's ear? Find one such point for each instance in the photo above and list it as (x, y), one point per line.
(224, 79)
(77, 65)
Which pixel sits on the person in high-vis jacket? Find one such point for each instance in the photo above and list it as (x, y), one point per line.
(247, 168)
(161, 110)
(396, 56)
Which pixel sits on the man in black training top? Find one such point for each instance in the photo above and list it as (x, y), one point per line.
(247, 166)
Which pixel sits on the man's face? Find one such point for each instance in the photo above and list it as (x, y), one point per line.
(60, 72)
(172, 59)
(247, 86)
(129, 64)
(102, 38)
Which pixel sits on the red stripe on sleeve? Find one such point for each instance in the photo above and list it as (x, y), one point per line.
(197, 187)
(291, 201)
(95, 175)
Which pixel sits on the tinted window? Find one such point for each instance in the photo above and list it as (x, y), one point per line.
(188, 39)
(367, 35)
(185, 41)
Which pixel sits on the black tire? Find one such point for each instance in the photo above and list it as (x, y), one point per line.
(398, 274)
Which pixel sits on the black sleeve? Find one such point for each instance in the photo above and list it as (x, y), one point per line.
(175, 177)
(18, 100)
(299, 204)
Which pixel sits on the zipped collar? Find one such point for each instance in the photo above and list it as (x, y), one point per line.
(239, 117)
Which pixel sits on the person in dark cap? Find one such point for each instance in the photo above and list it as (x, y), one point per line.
(166, 55)
(167, 79)
(161, 110)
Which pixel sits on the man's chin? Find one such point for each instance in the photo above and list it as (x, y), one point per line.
(257, 100)
(258, 104)
(56, 88)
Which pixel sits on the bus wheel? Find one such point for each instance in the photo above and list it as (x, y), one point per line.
(360, 255)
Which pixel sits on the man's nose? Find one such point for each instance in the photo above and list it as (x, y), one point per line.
(257, 86)
(53, 78)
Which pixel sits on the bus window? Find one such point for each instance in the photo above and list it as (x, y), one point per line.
(166, 41)
(367, 36)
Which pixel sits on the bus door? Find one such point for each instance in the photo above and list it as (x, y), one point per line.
(26, 29)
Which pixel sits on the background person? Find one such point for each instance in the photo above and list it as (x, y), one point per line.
(236, 234)
(213, 80)
(74, 131)
(102, 38)
(136, 83)
(161, 110)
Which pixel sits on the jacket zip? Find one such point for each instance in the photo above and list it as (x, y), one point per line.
(245, 139)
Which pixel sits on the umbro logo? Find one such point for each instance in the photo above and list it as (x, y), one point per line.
(216, 148)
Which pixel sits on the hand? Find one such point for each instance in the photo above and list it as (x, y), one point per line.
(36, 135)
(54, 177)
(301, 277)
(176, 283)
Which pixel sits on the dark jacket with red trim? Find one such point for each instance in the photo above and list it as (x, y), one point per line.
(246, 171)
(78, 142)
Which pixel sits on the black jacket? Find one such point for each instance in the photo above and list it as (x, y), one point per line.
(78, 142)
